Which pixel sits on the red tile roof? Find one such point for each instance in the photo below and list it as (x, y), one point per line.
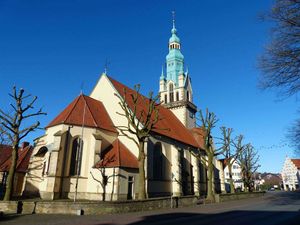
(224, 162)
(117, 155)
(96, 115)
(23, 159)
(199, 135)
(168, 125)
(296, 162)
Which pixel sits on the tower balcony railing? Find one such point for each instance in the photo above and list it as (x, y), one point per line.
(181, 103)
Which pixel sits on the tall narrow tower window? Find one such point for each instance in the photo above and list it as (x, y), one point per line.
(76, 157)
(188, 96)
(158, 161)
(166, 99)
(171, 91)
(177, 96)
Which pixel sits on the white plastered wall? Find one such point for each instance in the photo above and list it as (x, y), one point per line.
(105, 92)
(88, 181)
(290, 175)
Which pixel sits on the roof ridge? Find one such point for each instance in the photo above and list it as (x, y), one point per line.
(86, 102)
(8, 158)
(121, 143)
(118, 86)
(21, 156)
(23, 153)
(126, 87)
(77, 99)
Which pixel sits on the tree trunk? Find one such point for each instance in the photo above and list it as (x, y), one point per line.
(210, 187)
(104, 193)
(11, 174)
(113, 186)
(104, 183)
(141, 181)
(246, 186)
(230, 178)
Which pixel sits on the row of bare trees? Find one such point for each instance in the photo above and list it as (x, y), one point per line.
(142, 121)
(232, 149)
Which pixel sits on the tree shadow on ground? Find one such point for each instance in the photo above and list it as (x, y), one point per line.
(227, 218)
(8, 217)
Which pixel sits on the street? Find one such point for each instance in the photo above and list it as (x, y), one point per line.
(274, 208)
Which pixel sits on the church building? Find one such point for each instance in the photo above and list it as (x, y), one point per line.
(82, 155)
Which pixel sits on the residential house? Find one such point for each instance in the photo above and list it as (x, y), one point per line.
(291, 174)
(24, 154)
(236, 173)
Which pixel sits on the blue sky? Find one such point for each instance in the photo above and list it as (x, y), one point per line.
(53, 48)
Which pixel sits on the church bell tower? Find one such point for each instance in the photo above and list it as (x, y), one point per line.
(175, 87)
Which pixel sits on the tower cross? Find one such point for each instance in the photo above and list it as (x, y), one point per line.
(173, 16)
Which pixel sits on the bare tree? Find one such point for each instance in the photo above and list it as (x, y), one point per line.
(3, 138)
(294, 135)
(15, 131)
(248, 161)
(226, 143)
(140, 122)
(280, 63)
(209, 121)
(238, 150)
(231, 148)
(105, 180)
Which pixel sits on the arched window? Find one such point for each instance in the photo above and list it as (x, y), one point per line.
(166, 98)
(188, 96)
(41, 152)
(171, 91)
(157, 162)
(76, 156)
(177, 96)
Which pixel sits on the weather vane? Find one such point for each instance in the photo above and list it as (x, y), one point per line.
(173, 15)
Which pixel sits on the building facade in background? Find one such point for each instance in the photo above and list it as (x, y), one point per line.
(236, 172)
(24, 154)
(291, 174)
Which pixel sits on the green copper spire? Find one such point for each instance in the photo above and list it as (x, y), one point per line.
(174, 60)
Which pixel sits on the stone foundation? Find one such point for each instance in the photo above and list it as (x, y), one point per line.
(101, 208)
